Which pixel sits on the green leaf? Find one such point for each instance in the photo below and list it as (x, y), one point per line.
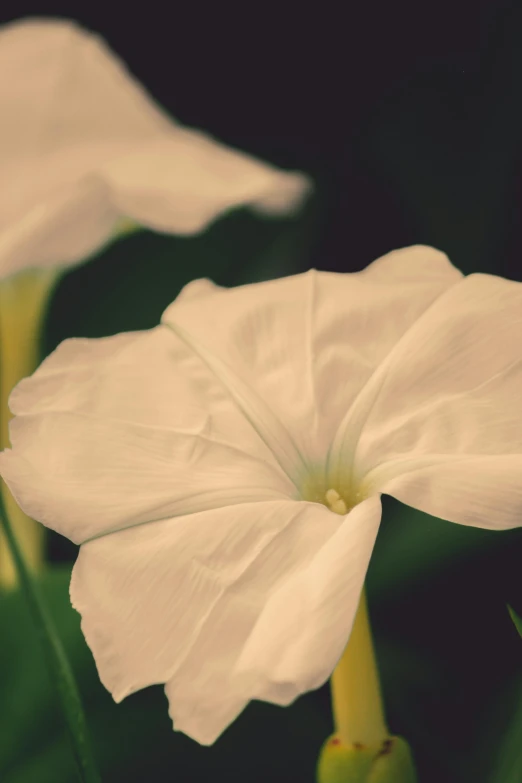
(58, 667)
(516, 619)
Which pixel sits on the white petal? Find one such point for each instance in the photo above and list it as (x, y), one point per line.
(74, 119)
(482, 491)
(308, 343)
(175, 601)
(71, 225)
(127, 429)
(442, 419)
(179, 184)
(305, 626)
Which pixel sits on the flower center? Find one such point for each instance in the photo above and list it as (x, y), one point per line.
(339, 497)
(335, 502)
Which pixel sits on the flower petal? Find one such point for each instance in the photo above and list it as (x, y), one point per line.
(72, 112)
(123, 430)
(176, 601)
(183, 182)
(482, 491)
(443, 426)
(72, 224)
(305, 626)
(308, 343)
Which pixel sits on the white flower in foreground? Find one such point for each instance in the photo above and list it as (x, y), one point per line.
(199, 465)
(82, 145)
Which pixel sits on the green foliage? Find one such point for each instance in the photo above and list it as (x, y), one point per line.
(516, 619)
(58, 666)
(508, 752)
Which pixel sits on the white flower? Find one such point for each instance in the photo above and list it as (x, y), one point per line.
(82, 145)
(199, 465)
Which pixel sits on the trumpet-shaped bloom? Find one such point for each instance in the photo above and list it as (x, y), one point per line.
(222, 472)
(82, 145)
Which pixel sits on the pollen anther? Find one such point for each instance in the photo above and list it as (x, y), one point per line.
(331, 496)
(335, 502)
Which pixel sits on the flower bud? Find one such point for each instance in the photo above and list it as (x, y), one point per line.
(392, 762)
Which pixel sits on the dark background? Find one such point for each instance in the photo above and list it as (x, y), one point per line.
(409, 118)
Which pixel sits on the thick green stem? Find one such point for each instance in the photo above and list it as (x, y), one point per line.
(356, 691)
(59, 668)
(361, 749)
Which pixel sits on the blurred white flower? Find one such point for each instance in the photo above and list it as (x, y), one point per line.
(82, 146)
(199, 465)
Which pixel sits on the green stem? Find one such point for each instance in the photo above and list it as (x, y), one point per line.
(60, 670)
(356, 692)
(361, 749)
(23, 303)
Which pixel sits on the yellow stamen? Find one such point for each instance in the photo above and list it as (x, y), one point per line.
(335, 502)
(331, 496)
